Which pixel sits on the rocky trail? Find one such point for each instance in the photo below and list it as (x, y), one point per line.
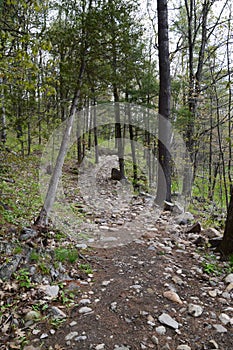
(147, 280)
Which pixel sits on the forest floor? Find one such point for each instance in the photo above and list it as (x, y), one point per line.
(161, 287)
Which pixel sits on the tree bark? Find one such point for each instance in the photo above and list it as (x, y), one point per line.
(226, 246)
(164, 156)
(42, 218)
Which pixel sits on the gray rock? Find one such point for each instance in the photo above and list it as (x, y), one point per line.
(183, 347)
(81, 338)
(57, 313)
(71, 335)
(168, 321)
(27, 233)
(184, 219)
(32, 315)
(161, 330)
(84, 302)
(100, 347)
(195, 310)
(220, 329)
(50, 291)
(7, 269)
(121, 347)
(155, 340)
(224, 318)
(229, 278)
(85, 310)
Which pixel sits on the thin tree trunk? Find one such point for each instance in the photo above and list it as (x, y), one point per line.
(42, 218)
(164, 156)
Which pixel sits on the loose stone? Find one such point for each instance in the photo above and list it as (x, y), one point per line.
(85, 310)
(229, 278)
(220, 329)
(161, 330)
(183, 347)
(71, 335)
(224, 318)
(195, 310)
(168, 321)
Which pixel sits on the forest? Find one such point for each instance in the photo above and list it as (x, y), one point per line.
(116, 123)
(59, 55)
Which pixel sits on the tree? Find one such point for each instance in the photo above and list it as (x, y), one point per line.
(226, 245)
(164, 138)
(43, 216)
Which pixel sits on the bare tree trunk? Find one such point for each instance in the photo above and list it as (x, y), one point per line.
(42, 218)
(164, 156)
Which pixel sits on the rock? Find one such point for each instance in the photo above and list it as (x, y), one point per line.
(100, 347)
(32, 315)
(184, 219)
(168, 321)
(224, 318)
(177, 280)
(44, 336)
(71, 335)
(8, 268)
(57, 313)
(85, 310)
(211, 233)
(213, 293)
(30, 347)
(155, 340)
(229, 278)
(183, 347)
(81, 338)
(27, 233)
(229, 288)
(161, 330)
(195, 310)
(220, 329)
(172, 296)
(211, 345)
(195, 228)
(50, 291)
(84, 302)
(73, 323)
(121, 347)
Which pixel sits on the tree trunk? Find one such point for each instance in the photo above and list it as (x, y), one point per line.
(164, 156)
(42, 219)
(226, 246)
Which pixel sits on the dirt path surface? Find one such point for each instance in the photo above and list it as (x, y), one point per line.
(121, 304)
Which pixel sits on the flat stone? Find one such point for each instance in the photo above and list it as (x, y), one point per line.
(85, 310)
(220, 329)
(229, 288)
(32, 315)
(84, 302)
(57, 313)
(71, 335)
(168, 321)
(100, 347)
(50, 291)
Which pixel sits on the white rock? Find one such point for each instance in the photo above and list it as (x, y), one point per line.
(50, 291)
(106, 283)
(183, 347)
(213, 344)
(84, 301)
(195, 310)
(168, 321)
(71, 335)
(224, 318)
(43, 336)
(229, 278)
(213, 293)
(85, 310)
(161, 330)
(100, 347)
(73, 323)
(220, 329)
